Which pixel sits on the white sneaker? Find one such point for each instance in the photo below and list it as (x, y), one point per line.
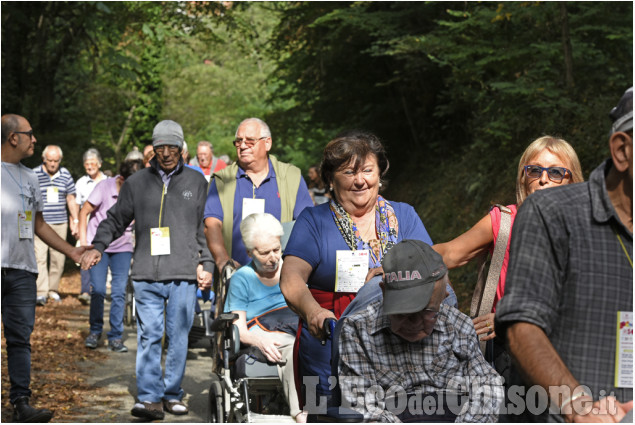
(55, 296)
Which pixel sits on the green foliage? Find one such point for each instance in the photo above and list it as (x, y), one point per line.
(212, 85)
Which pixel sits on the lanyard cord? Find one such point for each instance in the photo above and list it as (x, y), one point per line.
(161, 210)
(16, 182)
(628, 257)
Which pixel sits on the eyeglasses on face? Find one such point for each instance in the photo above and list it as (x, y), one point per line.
(28, 133)
(171, 148)
(430, 314)
(248, 141)
(555, 174)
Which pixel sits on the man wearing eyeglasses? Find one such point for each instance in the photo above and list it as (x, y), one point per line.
(22, 218)
(58, 192)
(407, 350)
(166, 202)
(256, 183)
(567, 313)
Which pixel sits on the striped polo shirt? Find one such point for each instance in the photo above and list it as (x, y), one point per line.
(54, 190)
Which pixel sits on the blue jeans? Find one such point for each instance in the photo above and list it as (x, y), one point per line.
(151, 298)
(18, 317)
(85, 275)
(119, 263)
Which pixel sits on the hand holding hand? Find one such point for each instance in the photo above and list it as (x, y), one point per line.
(484, 326)
(78, 252)
(89, 258)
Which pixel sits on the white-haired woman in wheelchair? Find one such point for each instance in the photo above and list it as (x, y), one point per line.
(264, 320)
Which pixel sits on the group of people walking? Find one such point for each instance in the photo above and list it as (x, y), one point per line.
(567, 256)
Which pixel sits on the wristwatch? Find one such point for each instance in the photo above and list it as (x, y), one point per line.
(75, 220)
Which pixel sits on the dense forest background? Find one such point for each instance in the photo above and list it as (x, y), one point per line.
(456, 90)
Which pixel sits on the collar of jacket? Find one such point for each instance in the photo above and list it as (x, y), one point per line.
(154, 165)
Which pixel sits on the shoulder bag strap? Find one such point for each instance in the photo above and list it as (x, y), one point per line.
(485, 291)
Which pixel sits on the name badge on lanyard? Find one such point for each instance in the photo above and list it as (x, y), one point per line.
(160, 241)
(252, 206)
(624, 350)
(351, 271)
(52, 195)
(25, 224)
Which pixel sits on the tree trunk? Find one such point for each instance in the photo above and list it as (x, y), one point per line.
(566, 45)
(122, 137)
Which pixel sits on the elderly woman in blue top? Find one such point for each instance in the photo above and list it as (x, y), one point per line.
(254, 293)
(333, 245)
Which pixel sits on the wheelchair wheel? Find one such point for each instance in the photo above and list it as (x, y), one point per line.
(215, 412)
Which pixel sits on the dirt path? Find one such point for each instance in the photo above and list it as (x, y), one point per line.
(83, 385)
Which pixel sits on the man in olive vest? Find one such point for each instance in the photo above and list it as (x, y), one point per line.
(257, 182)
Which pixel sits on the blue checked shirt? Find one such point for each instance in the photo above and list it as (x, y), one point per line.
(375, 362)
(569, 275)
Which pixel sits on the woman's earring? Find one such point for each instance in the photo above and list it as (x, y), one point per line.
(331, 188)
(380, 184)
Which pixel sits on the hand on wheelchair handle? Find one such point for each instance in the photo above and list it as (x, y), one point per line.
(315, 322)
(329, 328)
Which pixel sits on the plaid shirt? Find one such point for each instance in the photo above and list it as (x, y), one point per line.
(569, 275)
(448, 361)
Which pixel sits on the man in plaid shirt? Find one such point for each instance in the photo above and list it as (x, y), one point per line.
(407, 357)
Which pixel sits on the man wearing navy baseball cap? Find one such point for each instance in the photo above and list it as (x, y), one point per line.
(410, 343)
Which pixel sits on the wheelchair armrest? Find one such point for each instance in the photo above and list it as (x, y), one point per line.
(223, 321)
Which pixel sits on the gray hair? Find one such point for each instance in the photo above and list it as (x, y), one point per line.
(49, 147)
(205, 143)
(259, 224)
(92, 153)
(264, 128)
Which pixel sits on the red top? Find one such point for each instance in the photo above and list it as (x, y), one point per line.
(220, 164)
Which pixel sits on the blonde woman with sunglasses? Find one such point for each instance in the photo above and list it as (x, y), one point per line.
(547, 162)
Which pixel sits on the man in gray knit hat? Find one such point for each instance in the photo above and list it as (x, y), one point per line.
(567, 313)
(166, 202)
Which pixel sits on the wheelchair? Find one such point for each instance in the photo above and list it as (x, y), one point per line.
(245, 388)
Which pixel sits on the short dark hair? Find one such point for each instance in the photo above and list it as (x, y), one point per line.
(352, 145)
(129, 167)
(10, 122)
